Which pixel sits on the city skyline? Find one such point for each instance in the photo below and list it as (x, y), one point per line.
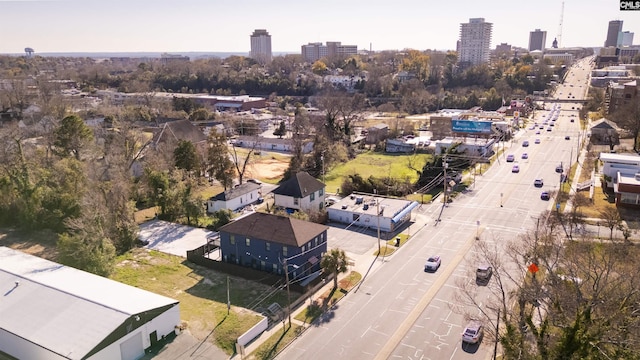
(201, 25)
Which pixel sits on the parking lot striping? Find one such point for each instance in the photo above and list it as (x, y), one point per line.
(408, 322)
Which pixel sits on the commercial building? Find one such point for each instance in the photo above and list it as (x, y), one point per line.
(371, 211)
(475, 41)
(261, 46)
(52, 311)
(537, 40)
(622, 173)
(615, 27)
(316, 51)
(625, 38)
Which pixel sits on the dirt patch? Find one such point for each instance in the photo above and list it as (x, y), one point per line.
(39, 243)
(267, 169)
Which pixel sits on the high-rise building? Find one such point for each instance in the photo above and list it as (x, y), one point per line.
(615, 27)
(315, 51)
(475, 41)
(261, 46)
(625, 38)
(537, 40)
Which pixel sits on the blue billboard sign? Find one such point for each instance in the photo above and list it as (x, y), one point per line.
(471, 126)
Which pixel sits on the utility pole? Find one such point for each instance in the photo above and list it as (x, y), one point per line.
(322, 159)
(378, 217)
(286, 275)
(228, 298)
(444, 168)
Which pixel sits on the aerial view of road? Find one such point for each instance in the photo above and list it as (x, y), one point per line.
(400, 311)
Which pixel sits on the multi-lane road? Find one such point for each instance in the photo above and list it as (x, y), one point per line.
(402, 312)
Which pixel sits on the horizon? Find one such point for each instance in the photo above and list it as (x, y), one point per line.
(71, 26)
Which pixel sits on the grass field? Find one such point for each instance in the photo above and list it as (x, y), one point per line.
(202, 294)
(378, 165)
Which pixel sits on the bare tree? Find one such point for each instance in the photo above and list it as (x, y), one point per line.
(559, 299)
(241, 162)
(341, 110)
(611, 218)
(628, 118)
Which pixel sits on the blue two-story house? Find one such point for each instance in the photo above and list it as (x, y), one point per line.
(267, 242)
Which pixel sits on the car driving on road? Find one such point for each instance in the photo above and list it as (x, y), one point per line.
(510, 158)
(483, 273)
(473, 332)
(433, 263)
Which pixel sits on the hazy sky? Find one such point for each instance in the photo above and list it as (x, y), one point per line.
(225, 25)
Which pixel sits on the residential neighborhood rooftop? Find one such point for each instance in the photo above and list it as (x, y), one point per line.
(274, 228)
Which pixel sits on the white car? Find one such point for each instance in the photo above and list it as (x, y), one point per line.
(433, 263)
(473, 332)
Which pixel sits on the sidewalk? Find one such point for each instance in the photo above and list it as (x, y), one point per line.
(364, 264)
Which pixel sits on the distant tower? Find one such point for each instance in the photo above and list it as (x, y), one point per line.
(559, 37)
(29, 51)
(554, 44)
(537, 40)
(615, 27)
(475, 41)
(261, 46)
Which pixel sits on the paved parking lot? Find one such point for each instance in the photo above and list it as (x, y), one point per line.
(352, 240)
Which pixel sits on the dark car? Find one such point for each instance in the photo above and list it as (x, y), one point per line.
(525, 143)
(545, 195)
(567, 137)
(483, 273)
(559, 169)
(538, 183)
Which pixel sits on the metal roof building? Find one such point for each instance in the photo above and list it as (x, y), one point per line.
(372, 211)
(51, 311)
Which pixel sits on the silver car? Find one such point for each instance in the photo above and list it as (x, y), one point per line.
(473, 332)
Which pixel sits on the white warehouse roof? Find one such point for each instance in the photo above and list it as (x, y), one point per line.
(65, 310)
